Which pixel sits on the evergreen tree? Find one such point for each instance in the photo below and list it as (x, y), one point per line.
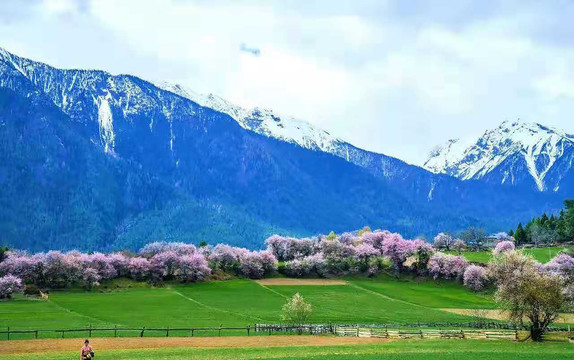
(511, 233)
(544, 220)
(569, 219)
(520, 235)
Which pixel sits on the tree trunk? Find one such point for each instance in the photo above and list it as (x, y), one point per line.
(536, 332)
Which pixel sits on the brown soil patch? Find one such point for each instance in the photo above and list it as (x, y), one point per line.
(65, 345)
(500, 315)
(287, 281)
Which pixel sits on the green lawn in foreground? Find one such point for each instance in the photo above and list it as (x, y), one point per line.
(542, 255)
(400, 349)
(241, 303)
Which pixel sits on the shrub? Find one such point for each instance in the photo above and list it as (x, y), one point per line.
(447, 266)
(443, 241)
(475, 278)
(120, 263)
(164, 264)
(101, 263)
(396, 249)
(157, 247)
(61, 270)
(32, 290)
(10, 284)
(348, 239)
(422, 252)
(192, 267)
(139, 268)
(363, 252)
(296, 311)
(310, 265)
(375, 239)
(27, 268)
(90, 278)
(503, 247)
(226, 257)
(285, 249)
(459, 246)
(563, 266)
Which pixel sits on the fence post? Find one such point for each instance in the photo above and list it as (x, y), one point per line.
(219, 334)
(116, 331)
(8, 332)
(192, 332)
(90, 331)
(62, 334)
(167, 332)
(248, 328)
(36, 333)
(142, 333)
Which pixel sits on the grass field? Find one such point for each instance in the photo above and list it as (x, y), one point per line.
(243, 302)
(542, 255)
(402, 349)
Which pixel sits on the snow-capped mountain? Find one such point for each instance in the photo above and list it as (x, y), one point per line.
(114, 160)
(515, 153)
(265, 121)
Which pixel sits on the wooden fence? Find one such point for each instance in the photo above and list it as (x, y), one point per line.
(377, 332)
(330, 328)
(139, 332)
(400, 331)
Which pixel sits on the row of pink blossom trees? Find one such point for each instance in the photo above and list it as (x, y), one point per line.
(156, 262)
(350, 253)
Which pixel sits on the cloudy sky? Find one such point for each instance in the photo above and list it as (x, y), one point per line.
(396, 77)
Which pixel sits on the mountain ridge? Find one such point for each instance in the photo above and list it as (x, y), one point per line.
(169, 168)
(515, 153)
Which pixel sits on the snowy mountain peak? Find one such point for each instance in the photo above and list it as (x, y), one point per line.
(503, 152)
(262, 121)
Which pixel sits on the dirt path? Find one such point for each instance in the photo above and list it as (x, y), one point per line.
(288, 281)
(65, 345)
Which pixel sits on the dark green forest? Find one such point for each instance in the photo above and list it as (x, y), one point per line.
(547, 229)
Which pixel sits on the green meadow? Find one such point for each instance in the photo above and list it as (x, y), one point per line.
(542, 255)
(241, 303)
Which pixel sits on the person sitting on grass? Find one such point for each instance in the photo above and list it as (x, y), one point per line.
(86, 353)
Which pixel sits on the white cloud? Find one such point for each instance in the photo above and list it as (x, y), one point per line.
(51, 7)
(395, 77)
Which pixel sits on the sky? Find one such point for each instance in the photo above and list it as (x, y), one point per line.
(395, 77)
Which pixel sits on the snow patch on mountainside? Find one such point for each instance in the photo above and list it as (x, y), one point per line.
(538, 145)
(263, 121)
(446, 155)
(106, 122)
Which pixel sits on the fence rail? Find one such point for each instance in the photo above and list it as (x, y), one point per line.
(320, 328)
(418, 330)
(426, 333)
(191, 331)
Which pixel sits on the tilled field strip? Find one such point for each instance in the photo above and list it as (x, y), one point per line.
(65, 345)
(291, 282)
